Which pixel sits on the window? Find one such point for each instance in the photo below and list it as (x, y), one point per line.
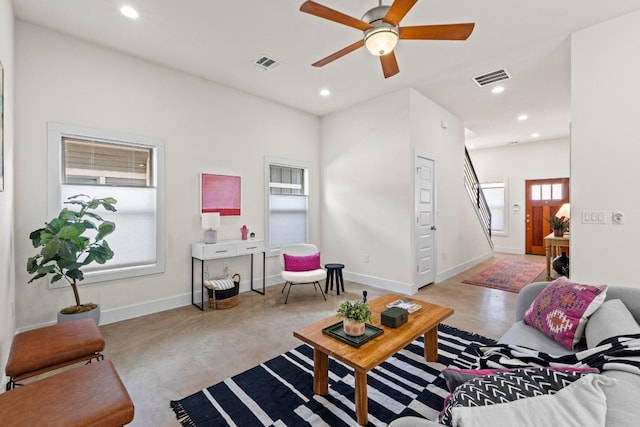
(287, 200)
(543, 192)
(128, 168)
(494, 193)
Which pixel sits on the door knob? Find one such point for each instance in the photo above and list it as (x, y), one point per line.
(433, 227)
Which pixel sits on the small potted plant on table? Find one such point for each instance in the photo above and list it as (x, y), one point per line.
(559, 225)
(355, 315)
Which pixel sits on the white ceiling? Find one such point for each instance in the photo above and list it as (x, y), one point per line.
(220, 40)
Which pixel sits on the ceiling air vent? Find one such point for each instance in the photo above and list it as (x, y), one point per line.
(267, 63)
(492, 77)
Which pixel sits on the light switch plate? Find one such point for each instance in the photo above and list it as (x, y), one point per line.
(594, 217)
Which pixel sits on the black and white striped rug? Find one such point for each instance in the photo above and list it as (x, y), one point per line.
(279, 392)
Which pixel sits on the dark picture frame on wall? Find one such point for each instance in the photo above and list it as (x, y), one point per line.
(1, 127)
(220, 193)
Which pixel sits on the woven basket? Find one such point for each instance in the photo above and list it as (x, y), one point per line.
(225, 298)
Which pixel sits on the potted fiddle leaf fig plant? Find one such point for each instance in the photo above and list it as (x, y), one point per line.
(355, 315)
(70, 241)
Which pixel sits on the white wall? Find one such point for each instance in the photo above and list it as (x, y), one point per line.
(368, 201)
(366, 195)
(460, 239)
(7, 271)
(605, 148)
(514, 164)
(205, 127)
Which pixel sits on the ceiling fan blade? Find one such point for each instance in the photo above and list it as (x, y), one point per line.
(321, 11)
(437, 32)
(398, 10)
(339, 54)
(389, 65)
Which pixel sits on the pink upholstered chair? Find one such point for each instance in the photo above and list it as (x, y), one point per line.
(300, 264)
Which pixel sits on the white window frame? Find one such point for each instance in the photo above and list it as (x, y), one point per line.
(56, 132)
(278, 161)
(505, 231)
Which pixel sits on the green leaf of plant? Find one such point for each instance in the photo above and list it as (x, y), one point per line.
(70, 231)
(35, 237)
(51, 248)
(93, 204)
(94, 215)
(36, 277)
(108, 203)
(46, 269)
(55, 225)
(89, 259)
(75, 274)
(105, 229)
(32, 264)
(87, 225)
(68, 215)
(101, 253)
(46, 237)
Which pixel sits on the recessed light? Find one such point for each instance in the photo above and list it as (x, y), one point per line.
(535, 135)
(470, 146)
(497, 89)
(523, 117)
(129, 12)
(325, 92)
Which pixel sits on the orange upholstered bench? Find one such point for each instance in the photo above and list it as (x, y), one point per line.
(45, 349)
(90, 395)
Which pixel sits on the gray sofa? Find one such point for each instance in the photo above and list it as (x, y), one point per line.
(609, 320)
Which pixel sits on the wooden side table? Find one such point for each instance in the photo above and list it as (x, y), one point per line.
(552, 245)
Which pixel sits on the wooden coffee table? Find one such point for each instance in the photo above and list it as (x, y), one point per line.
(366, 357)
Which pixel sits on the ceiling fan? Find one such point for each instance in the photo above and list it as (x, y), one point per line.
(382, 31)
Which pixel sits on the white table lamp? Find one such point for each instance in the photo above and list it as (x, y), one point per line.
(564, 211)
(210, 224)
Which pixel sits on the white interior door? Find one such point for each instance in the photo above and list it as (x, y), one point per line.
(425, 226)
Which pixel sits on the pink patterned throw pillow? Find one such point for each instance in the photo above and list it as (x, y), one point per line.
(301, 263)
(561, 310)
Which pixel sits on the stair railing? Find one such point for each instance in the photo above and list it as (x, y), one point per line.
(472, 184)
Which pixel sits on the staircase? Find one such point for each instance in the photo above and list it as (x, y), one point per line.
(472, 184)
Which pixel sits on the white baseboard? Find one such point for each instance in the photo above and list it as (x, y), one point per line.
(155, 306)
(514, 251)
(462, 267)
(377, 282)
(149, 307)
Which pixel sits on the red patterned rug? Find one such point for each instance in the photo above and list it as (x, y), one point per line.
(507, 275)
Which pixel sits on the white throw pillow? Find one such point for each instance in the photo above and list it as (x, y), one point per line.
(580, 404)
(612, 319)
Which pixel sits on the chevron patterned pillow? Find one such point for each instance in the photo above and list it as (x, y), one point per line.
(506, 387)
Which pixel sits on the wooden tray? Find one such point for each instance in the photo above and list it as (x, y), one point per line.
(337, 331)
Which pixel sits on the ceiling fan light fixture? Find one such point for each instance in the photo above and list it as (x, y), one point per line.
(381, 40)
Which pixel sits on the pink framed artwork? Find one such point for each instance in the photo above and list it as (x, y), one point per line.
(220, 193)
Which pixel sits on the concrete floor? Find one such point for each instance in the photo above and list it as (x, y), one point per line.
(170, 355)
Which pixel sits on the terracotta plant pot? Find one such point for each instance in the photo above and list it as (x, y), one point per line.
(353, 328)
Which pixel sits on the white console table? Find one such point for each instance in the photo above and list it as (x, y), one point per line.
(224, 249)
